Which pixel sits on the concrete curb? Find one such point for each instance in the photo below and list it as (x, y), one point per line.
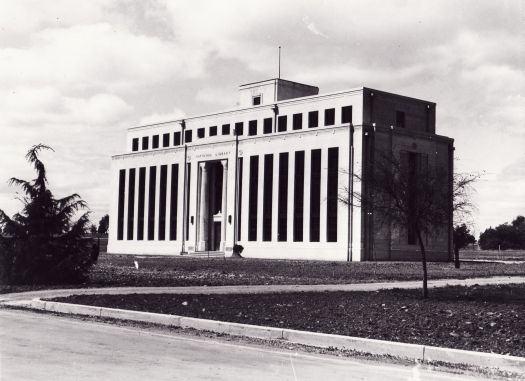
(423, 353)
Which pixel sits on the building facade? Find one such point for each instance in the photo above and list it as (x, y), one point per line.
(268, 176)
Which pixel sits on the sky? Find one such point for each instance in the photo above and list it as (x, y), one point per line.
(75, 74)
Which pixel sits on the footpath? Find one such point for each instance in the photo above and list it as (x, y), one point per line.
(421, 353)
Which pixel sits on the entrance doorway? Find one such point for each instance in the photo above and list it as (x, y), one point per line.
(212, 205)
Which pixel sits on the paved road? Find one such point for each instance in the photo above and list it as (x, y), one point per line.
(259, 289)
(44, 347)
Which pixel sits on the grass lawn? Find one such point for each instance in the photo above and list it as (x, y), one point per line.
(490, 255)
(120, 270)
(481, 318)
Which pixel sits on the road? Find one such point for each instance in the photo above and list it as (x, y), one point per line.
(46, 347)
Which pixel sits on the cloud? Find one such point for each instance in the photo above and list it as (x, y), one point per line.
(162, 117)
(312, 27)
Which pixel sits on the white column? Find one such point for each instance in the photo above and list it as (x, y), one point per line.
(224, 204)
(203, 208)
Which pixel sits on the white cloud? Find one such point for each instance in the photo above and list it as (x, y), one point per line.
(162, 117)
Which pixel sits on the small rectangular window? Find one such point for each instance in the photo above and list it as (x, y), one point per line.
(226, 129)
(329, 117)
(256, 100)
(155, 141)
(252, 128)
(267, 126)
(176, 138)
(187, 136)
(201, 132)
(400, 119)
(313, 119)
(346, 114)
(297, 121)
(213, 131)
(165, 140)
(239, 128)
(282, 123)
(145, 142)
(135, 144)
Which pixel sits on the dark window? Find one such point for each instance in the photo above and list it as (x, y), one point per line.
(282, 123)
(162, 201)
(346, 114)
(165, 140)
(151, 202)
(252, 128)
(187, 136)
(145, 142)
(135, 144)
(412, 175)
(329, 117)
(121, 195)
(298, 200)
(267, 197)
(187, 201)
(176, 138)
(155, 141)
(256, 100)
(226, 129)
(239, 128)
(201, 132)
(213, 130)
(282, 207)
(315, 196)
(252, 202)
(332, 194)
(142, 192)
(131, 203)
(313, 119)
(400, 119)
(174, 198)
(239, 198)
(267, 126)
(297, 121)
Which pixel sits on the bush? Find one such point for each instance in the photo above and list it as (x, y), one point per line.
(42, 244)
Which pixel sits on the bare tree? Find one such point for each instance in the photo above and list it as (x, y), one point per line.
(413, 195)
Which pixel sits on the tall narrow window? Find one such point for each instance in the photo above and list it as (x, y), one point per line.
(346, 114)
(239, 128)
(151, 202)
(298, 203)
(145, 142)
(329, 117)
(187, 201)
(252, 204)
(239, 198)
(332, 194)
(267, 197)
(297, 121)
(165, 140)
(282, 207)
(155, 141)
(174, 197)
(315, 196)
(176, 138)
(135, 144)
(187, 136)
(121, 195)
(282, 123)
(313, 119)
(226, 129)
(162, 201)
(252, 128)
(400, 119)
(131, 203)
(141, 203)
(267, 126)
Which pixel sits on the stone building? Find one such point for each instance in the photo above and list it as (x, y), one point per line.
(267, 175)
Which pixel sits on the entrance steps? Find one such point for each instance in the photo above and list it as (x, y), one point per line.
(204, 254)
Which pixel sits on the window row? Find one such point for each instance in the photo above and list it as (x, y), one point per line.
(265, 181)
(268, 127)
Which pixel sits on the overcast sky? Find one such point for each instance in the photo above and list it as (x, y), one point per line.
(76, 74)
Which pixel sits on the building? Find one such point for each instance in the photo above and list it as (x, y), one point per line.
(267, 174)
